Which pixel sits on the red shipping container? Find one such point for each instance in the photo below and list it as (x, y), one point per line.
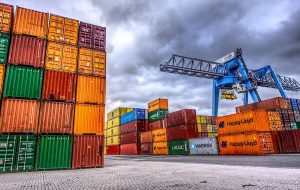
(182, 117)
(113, 150)
(128, 138)
(155, 125)
(146, 148)
(28, 51)
(88, 151)
(182, 132)
(146, 137)
(137, 125)
(59, 86)
(130, 149)
(274, 135)
(92, 36)
(289, 141)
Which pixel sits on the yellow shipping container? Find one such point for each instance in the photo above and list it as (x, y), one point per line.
(90, 89)
(116, 112)
(159, 135)
(61, 57)
(63, 29)
(91, 62)
(6, 16)
(129, 110)
(2, 73)
(212, 135)
(209, 128)
(160, 148)
(89, 119)
(113, 131)
(159, 103)
(113, 122)
(201, 119)
(114, 140)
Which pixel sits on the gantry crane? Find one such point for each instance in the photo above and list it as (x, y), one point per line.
(230, 73)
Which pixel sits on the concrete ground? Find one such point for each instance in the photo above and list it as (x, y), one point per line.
(173, 172)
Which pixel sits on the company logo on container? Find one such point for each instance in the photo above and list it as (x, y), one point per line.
(224, 144)
(222, 124)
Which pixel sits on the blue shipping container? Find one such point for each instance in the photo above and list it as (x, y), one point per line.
(133, 115)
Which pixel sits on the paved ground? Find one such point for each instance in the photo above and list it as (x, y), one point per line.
(160, 172)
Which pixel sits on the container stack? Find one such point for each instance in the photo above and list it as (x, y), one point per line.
(157, 110)
(132, 124)
(207, 126)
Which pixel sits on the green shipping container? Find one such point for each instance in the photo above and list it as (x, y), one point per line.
(157, 115)
(17, 152)
(298, 125)
(23, 82)
(4, 44)
(180, 147)
(54, 152)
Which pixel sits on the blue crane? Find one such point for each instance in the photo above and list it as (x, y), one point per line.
(230, 73)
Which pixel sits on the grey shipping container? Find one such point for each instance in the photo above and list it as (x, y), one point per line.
(203, 146)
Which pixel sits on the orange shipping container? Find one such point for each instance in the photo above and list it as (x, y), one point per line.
(251, 143)
(160, 148)
(6, 15)
(146, 137)
(19, 116)
(2, 74)
(63, 29)
(90, 90)
(159, 135)
(61, 57)
(31, 22)
(56, 117)
(89, 119)
(91, 62)
(159, 103)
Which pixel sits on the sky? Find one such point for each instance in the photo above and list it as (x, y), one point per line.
(143, 34)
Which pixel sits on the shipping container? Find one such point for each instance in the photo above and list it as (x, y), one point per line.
(157, 115)
(250, 143)
(113, 122)
(274, 135)
(90, 89)
(27, 51)
(4, 45)
(201, 119)
(146, 148)
(89, 119)
(88, 151)
(6, 17)
(182, 132)
(159, 103)
(132, 137)
(113, 140)
(146, 137)
(137, 125)
(17, 152)
(243, 122)
(203, 146)
(113, 131)
(19, 116)
(133, 115)
(59, 86)
(54, 152)
(178, 147)
(92, 36)
(56, 117)
(113, 150)
(116, 112)
(92, 62)
(155, 125)
(181, 117)
(2, 74)
(159, 135)
(160, 148)
(23, 82)
(289, 141)
(30, 22)
(130, 149)
(62, 29)
(61, 57)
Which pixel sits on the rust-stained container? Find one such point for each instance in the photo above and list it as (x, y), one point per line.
(244, 122)
(59, 86)
(2, 73)
(159, 135)
(181, 117)
(182, 132)
(113, 150)
(56, 117)
(27, 51)
(132, 137)
(160, 148)
(137, 125)
(89, 119)
(90, 89)
(30, 22)
(88, 151)
(62, 29)
(146, 137)
(289, 141)
(61, 57)
(92, 62)
(146, 148)
(6, 17)
(274, 135)
(19, 116)
(155, 125)
(130, 149)
(92, 36)
(251, 143)
(159, 103)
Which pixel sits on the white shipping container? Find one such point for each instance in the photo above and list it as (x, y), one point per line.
(203, 146)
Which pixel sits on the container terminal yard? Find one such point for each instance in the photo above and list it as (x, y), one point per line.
(84, 107)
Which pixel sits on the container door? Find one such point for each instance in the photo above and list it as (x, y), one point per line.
(8, 145)
(25, 153)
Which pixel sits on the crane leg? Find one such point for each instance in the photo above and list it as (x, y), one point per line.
(245, 98)
(215, 98)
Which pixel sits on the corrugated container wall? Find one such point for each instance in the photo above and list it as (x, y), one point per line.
(133, 115)
(130, 149)
(91, 62)
(6, 17)
(113, 150)
(178, 147)
(31, 22)
(160, 148)
(113, 140)
(4, 44)
(146, 137)
(91, 36)
(159, 103)
(2, 73)
(113, 122)
(19, 116)
(62, 29)
(116, 113)
(159, 135)
(27, 51)
(113, 131)
(203, 146)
